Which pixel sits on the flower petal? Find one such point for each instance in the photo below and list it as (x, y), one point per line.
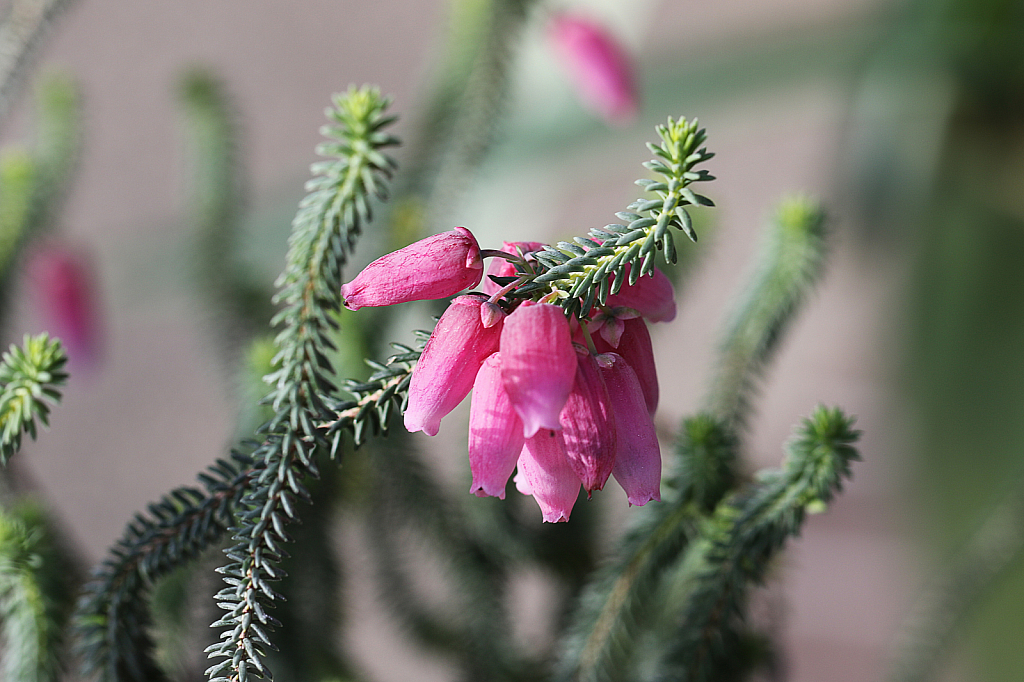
(448, 365)
(495, 432)
(588, 426)
(652, 296)
(637, 453)
(435, 267)
(636, 348)
(538, 364)
(547, 475)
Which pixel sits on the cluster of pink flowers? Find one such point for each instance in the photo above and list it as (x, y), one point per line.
(568, 403)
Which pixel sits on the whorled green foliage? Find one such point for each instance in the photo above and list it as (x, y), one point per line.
(36, 595)
(329, 220)
(740, 539)
(708, 459)
(375, 400)
(790, 263)
(466, 109)
(473, 625)
(33, 184)
(957, 588)
(112, 619)
(29, 377)
(24, 25)
(617, 605)
(57, 148)
(16, 181)
(585, 271)
(237, 308)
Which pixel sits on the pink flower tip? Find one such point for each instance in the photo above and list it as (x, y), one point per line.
(435, 267)
(599, 66)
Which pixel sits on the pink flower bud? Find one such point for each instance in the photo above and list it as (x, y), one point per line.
(637, 454)
(448, 365)
(495, 432)
(435, 267)
(588, 426)
(64, 286)
(599, 66)
(500, 267)
(538, 364)
(636, 348)
(544, 472)
(652, 296)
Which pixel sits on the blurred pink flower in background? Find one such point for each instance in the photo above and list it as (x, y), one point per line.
(63, 287)
(598, 65)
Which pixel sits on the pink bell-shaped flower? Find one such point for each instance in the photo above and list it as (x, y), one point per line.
(588, 426)
(495, 432)
(545, 473)
(599, 66)
(63, 283)
(435, 267)
(448, 365)
(538, 364)
(636, 348)
(652, 296)
(637, 453)
(500, 267)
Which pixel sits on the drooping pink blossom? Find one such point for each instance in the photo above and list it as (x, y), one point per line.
(651, 295)
(637, 453)
(64, 286)
(500, 267)
(598, 65)
(636, 348)
(588, 426)
(448, 365)
(495, 432)
(545, 473)
(538, 364)
(435, 267)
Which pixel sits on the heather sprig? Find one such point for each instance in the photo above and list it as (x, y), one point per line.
(30, 375)
(578, 274)
(328, 222)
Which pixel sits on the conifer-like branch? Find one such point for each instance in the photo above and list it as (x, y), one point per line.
(746, 531)
(113, 616)
(29, 377)
(617, 605)
(22, 30)
(325, 228)
(33, 185)
(956, 589)
(36, 594)
(218, 190)
(791, 262)
(476, 631)
(587, 270)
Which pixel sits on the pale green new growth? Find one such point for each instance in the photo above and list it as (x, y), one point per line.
(789, 265)
(29, 377)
